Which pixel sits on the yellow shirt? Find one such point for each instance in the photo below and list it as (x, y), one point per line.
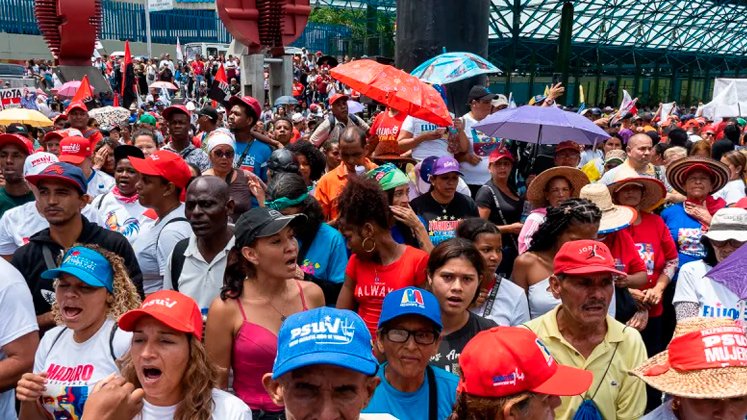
(620, 396)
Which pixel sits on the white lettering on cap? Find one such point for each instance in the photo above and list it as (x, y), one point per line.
(160, 302)
(72, 148)
(328, 331)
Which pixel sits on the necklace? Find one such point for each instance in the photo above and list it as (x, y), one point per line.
(282, 315)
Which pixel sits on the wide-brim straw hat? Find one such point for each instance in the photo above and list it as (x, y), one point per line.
(678, 171)
(654, 191)
(536, 190)
(614, 216)
(716, 383)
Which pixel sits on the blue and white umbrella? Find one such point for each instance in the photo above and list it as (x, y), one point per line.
(452, 67)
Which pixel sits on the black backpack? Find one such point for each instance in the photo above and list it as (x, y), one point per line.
(177, 262)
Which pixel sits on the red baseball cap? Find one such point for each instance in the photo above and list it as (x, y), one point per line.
(337, 96)
(249, 101)
(168, 112)
(165, 164)
(61, 134)
(74, 149)
(500, 153)
(518, 361)
(76, 105)
(568, 145)
(17, 140)
(585, 256)
(176, 310)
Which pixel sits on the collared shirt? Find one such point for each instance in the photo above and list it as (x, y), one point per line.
(193, 155)
(330, 187)
(199, 279)
(618, 395)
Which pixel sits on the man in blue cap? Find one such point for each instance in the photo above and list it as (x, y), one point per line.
(409, 333)
(324, 368)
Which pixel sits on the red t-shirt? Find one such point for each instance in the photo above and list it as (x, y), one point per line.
(387, 127)
(372, 281)
(297, 89)
(655, 246)
(198, 67)
(623, 249)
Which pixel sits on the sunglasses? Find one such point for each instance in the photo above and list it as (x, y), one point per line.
(221, 154)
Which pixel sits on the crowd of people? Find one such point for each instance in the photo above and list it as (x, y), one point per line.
(238, 261)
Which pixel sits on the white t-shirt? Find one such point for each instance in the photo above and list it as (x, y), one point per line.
(714, 299)
(510, 306)
(118, 216)
(477, 174)
(19, 319)
(199, 279)
(100, 183)
(152, 258)
(226, 407)
(416, 126)
(74, 368)
(20, 223)
(732, 192)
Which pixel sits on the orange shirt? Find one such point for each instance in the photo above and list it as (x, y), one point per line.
(330, 186)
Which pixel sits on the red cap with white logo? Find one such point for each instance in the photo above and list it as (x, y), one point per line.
(518, 361)
(74, 149)
(174, 309)
(585, 257)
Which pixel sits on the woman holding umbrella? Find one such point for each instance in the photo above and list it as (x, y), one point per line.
(700, 293)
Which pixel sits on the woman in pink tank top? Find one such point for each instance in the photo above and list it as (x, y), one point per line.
(258, 294)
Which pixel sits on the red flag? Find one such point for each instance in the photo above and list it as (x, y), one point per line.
(127, 61)
(84, 92)
(116, 100)
(220, 75)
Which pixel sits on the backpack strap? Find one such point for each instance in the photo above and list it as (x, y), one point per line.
(48, 258)
(111, 341)
(432, 394)
(101, 201)
(176, 219)
(177, 262)
(57, 338)
(332, 121)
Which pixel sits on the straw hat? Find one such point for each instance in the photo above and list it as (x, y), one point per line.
(536, 190)
(667, 374)
(678, 171)
(654, 190)
(614, 217)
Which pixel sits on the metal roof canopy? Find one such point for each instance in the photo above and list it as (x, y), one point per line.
(700, 26)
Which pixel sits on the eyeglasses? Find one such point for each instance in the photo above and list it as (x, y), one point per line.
(400, 335)
(221, 154)
(731, 242)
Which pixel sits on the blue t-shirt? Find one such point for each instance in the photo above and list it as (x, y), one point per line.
(414, 405)
(255, 159)
(686, 232)
(327, 256)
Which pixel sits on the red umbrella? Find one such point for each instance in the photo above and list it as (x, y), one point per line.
(394, 88)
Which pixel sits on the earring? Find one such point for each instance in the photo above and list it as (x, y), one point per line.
(363, 244)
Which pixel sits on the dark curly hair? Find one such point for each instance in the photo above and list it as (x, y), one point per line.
(290, 185)
(363, 201)
(316, 159)
(560, 218)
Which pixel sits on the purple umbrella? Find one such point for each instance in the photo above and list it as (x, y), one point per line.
(541, 125)
(731, 272)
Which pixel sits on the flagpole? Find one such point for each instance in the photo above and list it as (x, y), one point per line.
(147, 29)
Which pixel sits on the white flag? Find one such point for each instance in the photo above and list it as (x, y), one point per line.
(179, 54)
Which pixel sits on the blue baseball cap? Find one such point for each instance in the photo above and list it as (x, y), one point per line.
(87, 265)
(63, 172)
(324, 336)
(410, 301)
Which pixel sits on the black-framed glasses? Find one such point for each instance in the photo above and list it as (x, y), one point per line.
(221, 154)
(401, 335)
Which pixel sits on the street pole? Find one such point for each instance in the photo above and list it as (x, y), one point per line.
(147, 28)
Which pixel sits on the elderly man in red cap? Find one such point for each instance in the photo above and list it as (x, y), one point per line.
(337, 121)
(180, 142)
(580, 333)
(77, 116)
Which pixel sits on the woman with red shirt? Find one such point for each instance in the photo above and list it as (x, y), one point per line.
(658, 252)
(378, 264)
